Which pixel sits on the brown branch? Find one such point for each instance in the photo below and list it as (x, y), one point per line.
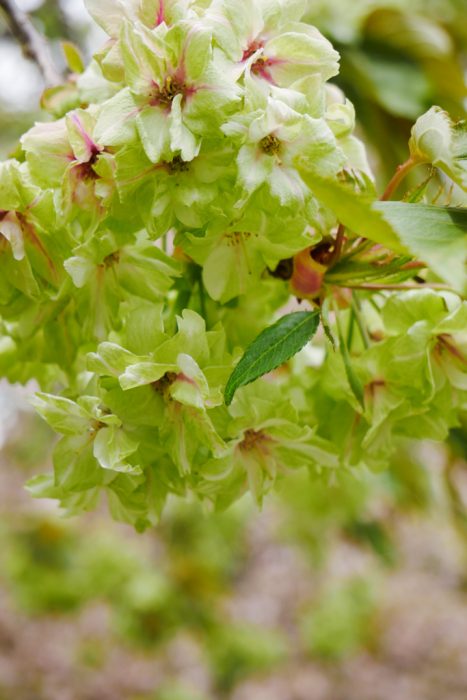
(34, 45)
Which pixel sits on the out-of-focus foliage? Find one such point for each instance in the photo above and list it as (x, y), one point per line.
(59, 21)
(193, 577)
(397, 59)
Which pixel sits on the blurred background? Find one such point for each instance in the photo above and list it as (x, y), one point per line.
(355, 591)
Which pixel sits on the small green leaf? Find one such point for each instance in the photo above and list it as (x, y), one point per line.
(73, 57)
(274, 346)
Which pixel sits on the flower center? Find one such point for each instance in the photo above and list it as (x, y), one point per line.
(253, 438)
(261, 67)
(258, 66)
(270, 145)
(253, 48)
(95, 426)
(177, 165)
(111, 259)
(165, 95)
(85, 171)
(234, 238)
(163, 384)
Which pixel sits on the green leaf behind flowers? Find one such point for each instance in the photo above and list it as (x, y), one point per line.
(438, 235)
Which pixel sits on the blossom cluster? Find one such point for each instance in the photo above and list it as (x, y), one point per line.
(141, 236)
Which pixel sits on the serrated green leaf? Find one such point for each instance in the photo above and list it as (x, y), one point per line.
(438, 235)
(274, 346)
(354, 210)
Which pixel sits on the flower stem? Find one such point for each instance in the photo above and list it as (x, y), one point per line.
(202, 299)
(399, 175)
(339, 242)
(357, 310)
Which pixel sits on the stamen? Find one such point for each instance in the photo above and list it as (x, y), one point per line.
(270, 145)
(252, 49)
(164, 96)
(162, 385)
(177, 165)
(234, 238)
(252, 439)
(260, 68)
(111, 259)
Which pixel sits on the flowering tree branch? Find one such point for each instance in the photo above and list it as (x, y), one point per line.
(34, 45)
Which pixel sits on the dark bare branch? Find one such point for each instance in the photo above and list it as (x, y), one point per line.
(34, 45)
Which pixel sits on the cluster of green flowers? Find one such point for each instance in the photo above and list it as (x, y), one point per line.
(138, 234)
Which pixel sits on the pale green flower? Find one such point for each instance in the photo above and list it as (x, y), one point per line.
(175, 193)
(236, 249)
(180, 89)
(436, 139)
(267, 441)
(187, 373)
(282, 49)
(274, 142)
(65, 155)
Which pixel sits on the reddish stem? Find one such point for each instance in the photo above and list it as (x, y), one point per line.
(339, 242)
(452, 349)
(399, 175)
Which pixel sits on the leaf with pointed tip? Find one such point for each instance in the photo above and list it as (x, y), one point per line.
(355, 210)
(73, 57)
(274, 346)
(437, 235)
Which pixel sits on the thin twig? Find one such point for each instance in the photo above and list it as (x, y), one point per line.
(339, 242)
(202, 299)
(340, 238)
(34, 45)
(389, 287)
(397, 178)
